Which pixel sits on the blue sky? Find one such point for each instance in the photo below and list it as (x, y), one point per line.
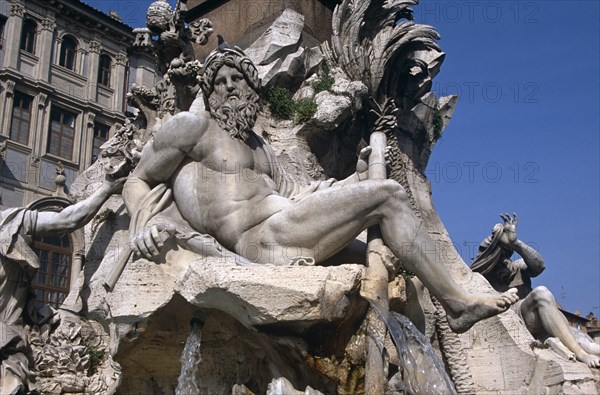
(525, 134)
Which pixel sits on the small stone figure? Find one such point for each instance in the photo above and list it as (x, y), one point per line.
(19, 264)
(174, 47)
(536, 307)
(228, 183)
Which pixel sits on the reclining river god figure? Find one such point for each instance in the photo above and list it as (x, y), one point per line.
(537, 306)
(227, 183)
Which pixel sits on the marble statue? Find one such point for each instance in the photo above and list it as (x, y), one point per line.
(246, 245)
(536, 306)
(18, 227)
(227, 183)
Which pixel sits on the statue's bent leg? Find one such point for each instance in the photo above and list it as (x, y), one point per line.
(318, 226)
(543, 319)
(322, 223)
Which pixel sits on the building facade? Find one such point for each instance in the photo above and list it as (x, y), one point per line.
(65, 70)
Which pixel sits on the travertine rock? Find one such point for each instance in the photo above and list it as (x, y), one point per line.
(279, 55)
(73, 358)
(280, 40)
(332, 110)
(151, 306)
(254, 295)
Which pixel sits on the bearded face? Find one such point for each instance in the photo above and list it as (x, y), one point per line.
(233, 104)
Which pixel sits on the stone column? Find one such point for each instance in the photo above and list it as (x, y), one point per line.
(119, 80)
(8, 90)
(38, 110)
(56, 50)
(45, 43)
(80, 60)
(87, 139)
(92, 76)
(13, 28)
(40, 134)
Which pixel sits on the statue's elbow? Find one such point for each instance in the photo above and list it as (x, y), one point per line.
(538, 269)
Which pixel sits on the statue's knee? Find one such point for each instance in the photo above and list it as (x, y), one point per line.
(542, 294)
(394, 191)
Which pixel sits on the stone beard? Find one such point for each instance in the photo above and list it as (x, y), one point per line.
(235, 111)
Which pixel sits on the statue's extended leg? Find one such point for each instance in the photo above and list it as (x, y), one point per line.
(543, 319)
(322, 223)
(405, 236)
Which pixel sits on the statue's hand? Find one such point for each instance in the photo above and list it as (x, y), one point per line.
(114, 185)
(148, 242)
(509, 236)
(362, 165)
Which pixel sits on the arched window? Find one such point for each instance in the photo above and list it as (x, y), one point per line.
(58, 257)
(51, 283)
(68, 51)
(28, 35)
(104, 70)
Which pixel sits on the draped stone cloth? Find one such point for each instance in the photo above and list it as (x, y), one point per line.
(18, 266)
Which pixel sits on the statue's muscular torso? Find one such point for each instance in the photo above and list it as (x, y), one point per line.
(222, 185)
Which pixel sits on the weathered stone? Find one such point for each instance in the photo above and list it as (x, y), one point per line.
(332, 110)
(307, 90)
(254, 295)
(287, 71)
(280, 58)
(280, 39)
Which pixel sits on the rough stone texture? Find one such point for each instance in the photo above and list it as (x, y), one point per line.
(73, 358)
(562, 376)
(279, 53)
(253, 18)
(231, 354)
(279, 38)
(332, 110)
(255, 295)
(151, 306)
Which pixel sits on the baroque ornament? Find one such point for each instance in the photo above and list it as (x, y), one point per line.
(159, 16)
(226, 267)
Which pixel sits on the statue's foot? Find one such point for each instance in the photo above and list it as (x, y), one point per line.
(590, 360)
(479, 307)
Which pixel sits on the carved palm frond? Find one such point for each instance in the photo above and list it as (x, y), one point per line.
(371, 40)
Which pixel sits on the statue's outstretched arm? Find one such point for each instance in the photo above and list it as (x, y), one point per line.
(533, 260)
(76, 215)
